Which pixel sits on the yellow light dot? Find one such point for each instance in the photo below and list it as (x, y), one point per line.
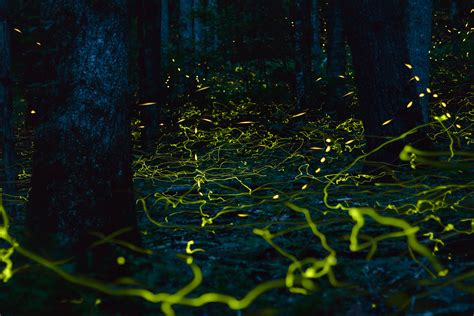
(276, 197)
(428, 90)
(328, 140)
(409, 66)
(323, 159)
(121, 261)
(422, 95)
(304, 187)
(33, 112)
(328, 149)
(318, 170)
(409, 105)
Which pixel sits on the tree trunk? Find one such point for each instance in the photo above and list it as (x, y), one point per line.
(198, 30)
(149, 13)
(316, 51)
(336, 64)
(6, 108)
(376, 34)
(214, 15)
(185, 44)
(419, 23)
(165, 34)
(302, 52)
(82, 177)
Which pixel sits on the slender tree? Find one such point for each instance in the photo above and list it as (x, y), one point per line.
(186, 30)
(6, 108)
(185, 43)
(198, 29)
(316, 51)
(336, 63)
(149, 13)
(165, 33)
(302, 52)
(377, 37)
(419, 24)
(214, 15)
(82, 177)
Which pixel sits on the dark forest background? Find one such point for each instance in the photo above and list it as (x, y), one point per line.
(215, 157)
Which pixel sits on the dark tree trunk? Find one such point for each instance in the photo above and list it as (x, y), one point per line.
(316, 51)
(82, 177)
(419, 23)
(336, 64)
(377, 36)
(149, 13)
(185, 44)
(198, 30)
(214, 15)
(165, 34)
(6, 108)
(302, 52)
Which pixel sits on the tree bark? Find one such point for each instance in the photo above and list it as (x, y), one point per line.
(149, 13)
(302, 52)
(6, 107)
(377, 37)
(419, 23)
(336, 64)
(82, 177)
(316, 51)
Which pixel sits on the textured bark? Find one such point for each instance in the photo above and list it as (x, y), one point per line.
(316, 51)
(302, 52)
(336, 64)
(6, 108)
(82, 177)
(165, 33)
(376, 34)
(149, 13)
(419, 24)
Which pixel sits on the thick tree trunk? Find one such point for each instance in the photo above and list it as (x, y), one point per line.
(419, 24)
(316, 51)
(6, 108)
(82, 177)
(336, 64)
(149, 13)
(302, 52)
(376, 33)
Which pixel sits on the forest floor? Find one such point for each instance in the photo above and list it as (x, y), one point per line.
(271, 213)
